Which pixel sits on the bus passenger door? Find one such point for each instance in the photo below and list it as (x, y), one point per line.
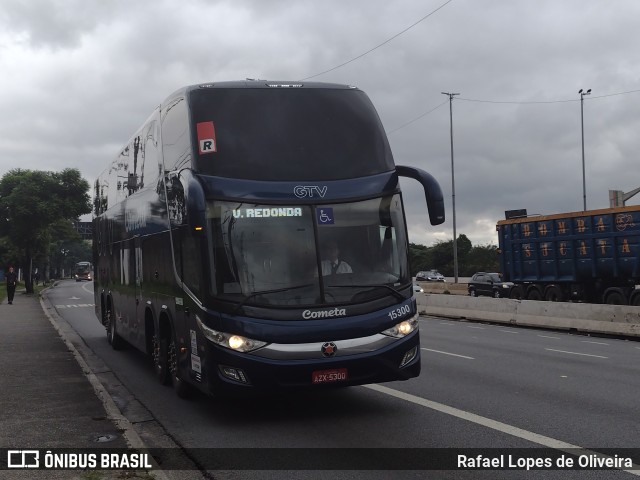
(181, 300)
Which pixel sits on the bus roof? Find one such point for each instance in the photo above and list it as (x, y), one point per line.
(258, 83)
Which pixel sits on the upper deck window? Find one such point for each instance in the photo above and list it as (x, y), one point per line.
(288, 134)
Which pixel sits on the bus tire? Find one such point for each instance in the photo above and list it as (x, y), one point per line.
(160, 357)
(115, 340)
(181, 387)
(635, 300)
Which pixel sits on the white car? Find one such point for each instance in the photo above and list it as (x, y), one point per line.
(417, 288)
(430, 276)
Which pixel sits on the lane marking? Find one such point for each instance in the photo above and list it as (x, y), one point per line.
(447, 353)
(478, 328)
(79, 305)
(595, 343)
(546, 336)
(575, 353)
(494, 424)
(509, 331)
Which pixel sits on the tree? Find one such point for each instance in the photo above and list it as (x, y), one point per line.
(482, 258)
(32, 202)
(420, 258)
(65, 249)
(440, 257)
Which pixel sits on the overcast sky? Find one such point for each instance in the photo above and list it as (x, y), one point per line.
(78, 77)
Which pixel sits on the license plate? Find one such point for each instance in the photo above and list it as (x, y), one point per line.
(329, 376)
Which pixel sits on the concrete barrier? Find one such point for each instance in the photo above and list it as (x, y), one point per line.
(583, 317)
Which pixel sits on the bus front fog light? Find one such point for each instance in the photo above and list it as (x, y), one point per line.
(409, 356)
(233, 373)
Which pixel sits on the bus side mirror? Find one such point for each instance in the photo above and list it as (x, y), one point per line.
(432, 191)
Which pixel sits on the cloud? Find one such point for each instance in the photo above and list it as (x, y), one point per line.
(79, 77)
(54, 24)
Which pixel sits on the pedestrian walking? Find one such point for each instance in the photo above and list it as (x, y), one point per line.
(12, 282)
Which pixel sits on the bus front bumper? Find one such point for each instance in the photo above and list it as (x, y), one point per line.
(332, 364)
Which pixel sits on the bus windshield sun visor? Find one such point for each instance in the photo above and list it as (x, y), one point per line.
(432, 191)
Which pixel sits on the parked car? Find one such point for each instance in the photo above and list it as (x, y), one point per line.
(417, 288)
(489, 284)
(430, 276)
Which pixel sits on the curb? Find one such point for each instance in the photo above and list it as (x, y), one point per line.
(113, 412)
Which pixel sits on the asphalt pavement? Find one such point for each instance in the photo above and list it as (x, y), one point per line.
(50, 398)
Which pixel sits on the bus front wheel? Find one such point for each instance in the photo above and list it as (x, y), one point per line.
(113, 338)
(160, 356)
(179, 385)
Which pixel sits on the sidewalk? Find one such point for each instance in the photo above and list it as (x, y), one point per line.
(47, 400)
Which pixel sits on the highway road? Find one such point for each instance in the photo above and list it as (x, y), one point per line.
(482, 386)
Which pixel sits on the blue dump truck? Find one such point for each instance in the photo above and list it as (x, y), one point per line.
(589, 256)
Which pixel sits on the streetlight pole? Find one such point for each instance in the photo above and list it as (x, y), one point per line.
(453, 190)
(584, 183)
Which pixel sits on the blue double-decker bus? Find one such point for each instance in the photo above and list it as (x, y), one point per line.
(251, 236)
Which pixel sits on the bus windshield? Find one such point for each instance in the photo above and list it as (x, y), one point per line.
(307, 254)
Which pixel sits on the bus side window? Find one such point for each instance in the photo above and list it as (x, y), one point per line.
(175, 135)
(151, 155)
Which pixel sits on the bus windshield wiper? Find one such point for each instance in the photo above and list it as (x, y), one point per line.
(395, 292)
(264, 292)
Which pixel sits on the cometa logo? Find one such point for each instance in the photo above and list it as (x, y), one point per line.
(329, 349)
(334, 312)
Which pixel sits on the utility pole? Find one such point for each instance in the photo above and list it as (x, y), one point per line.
(453, 190)
(584, 183)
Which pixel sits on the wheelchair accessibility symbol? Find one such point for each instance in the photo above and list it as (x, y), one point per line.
(324, 216)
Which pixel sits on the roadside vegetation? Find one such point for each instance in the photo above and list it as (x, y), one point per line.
(471, 259)
(37, 214)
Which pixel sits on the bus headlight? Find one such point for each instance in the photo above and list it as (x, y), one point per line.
(403, 328)
(228, 340)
